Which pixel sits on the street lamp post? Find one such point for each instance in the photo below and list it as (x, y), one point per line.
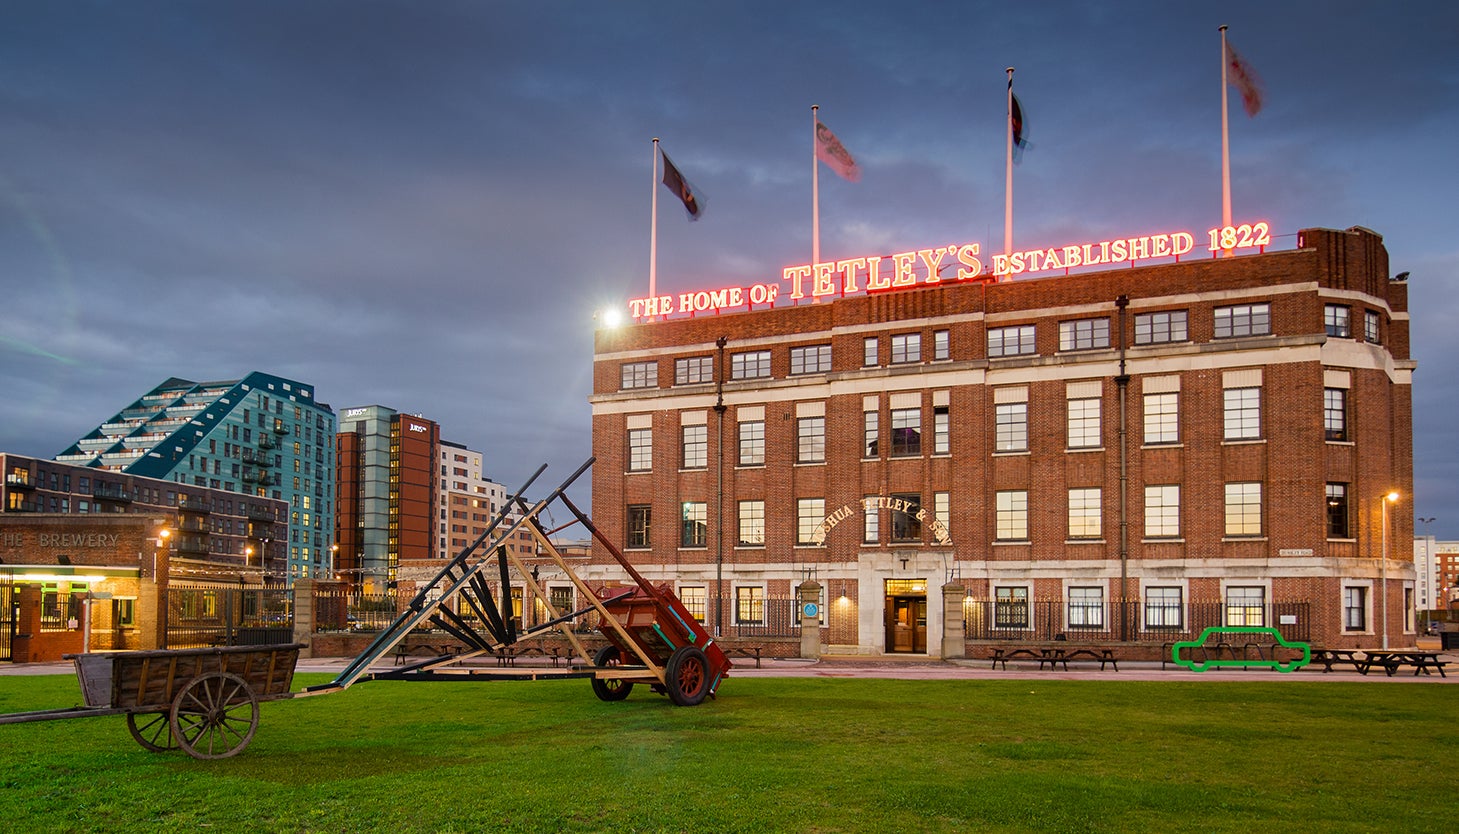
(1387, 499)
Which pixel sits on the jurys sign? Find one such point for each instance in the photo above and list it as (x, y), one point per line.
(945, 264)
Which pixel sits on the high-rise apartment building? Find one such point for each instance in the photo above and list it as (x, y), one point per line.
(261, 435)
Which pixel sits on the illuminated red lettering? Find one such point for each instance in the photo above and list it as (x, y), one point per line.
(821, 283)
(848, 268)
(932, 265)
(874, 281)
(902, 264)
(967, 255)
(796, 274)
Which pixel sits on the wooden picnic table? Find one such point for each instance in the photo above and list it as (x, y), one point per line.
(1052, 658)
(1392, 660)
(1327, 657)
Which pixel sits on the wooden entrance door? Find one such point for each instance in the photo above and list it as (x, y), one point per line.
(906, 622)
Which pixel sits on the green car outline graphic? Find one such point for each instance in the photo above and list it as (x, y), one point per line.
(1243, 662)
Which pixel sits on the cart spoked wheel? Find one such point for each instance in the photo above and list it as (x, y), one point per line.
(612, 689)
(214, 716)
(687, 676)
(152, 730)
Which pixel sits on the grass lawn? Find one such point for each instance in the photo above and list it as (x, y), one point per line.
(771, 754)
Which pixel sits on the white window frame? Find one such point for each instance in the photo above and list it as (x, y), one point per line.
(1086, 513)
(694, 446)
(1240, 320)
(1083, 334)
(1162, 511)
(810, 359)
(1162, 418)
(750, 517)
(752, 364)
(1015, 340)
(1012, 516)
(640, 450)
(810, 439)
(809, 513)
(1161, 327)
(1243, 509)
(693, 370)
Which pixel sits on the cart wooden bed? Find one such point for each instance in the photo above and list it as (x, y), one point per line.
(204, 701)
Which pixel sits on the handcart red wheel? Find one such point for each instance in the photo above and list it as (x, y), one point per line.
(687, 676)
(610, 689)
(214, 716)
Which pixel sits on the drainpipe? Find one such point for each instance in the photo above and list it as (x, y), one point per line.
(719, 409)
(1122, 386)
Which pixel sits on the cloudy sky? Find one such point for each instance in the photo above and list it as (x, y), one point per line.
(422, 205)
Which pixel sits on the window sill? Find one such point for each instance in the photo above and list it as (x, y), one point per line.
(693, 547)
(1011, 454)
(1250, 441)
(1234, 539)
(1012, 542)
(1342, 541)
(639, 472)
(1175, 540)
(683, 470)
(750, 466)
(809, 463)
(1083, 541)
(749, 547)
(1341, 443)
(1075, 451)
(1176, 445)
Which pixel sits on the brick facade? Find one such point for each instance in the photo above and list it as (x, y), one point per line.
(1251, 453)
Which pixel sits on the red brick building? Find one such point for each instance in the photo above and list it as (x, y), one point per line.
(1122, 455)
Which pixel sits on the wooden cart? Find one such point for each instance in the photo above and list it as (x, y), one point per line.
(204, 701)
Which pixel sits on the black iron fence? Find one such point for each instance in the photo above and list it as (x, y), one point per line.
(339, 610)
(201, 617)
(1130, 621)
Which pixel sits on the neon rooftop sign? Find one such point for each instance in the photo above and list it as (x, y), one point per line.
(953, 263)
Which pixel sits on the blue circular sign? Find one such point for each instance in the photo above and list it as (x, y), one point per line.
(810, 609)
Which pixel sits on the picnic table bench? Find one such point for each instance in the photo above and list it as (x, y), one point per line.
(744, 651)
(1327, 657)
(1003, 655)
(1054, 657)
(1392, 661)
(434, 648)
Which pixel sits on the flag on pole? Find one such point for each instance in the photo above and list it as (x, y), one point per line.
(675, 182)
(1020, 142)
(830, 151)
(1246, 81)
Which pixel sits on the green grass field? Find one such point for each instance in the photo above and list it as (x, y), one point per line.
(771, 754)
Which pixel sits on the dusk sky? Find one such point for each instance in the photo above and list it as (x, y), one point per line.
(422, 205)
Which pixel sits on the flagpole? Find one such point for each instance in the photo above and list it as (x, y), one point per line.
(653, 234)
(1225, 141)
(1008, 174)
(815, 191)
